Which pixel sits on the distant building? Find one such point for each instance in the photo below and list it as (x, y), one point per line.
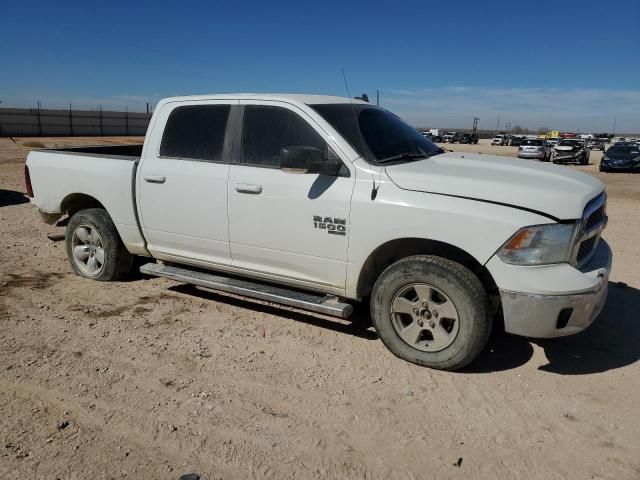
(551, 134)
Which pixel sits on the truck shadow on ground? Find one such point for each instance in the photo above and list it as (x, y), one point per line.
(310, 319)
(11, 197)
(613, 341)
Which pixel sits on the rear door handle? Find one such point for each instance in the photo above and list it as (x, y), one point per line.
(247, 188)
(155, 178)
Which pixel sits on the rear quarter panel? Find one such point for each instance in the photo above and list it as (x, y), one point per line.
(56, 175)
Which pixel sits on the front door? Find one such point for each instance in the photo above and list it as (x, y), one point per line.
(291, 226)
(182, 186)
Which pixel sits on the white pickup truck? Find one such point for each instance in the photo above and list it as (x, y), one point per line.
(320, 203)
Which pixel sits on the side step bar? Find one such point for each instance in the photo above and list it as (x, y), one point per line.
(247, 288)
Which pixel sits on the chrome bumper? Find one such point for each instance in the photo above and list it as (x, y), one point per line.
(547, 316)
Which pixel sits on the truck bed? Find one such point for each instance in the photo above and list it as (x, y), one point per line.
(105, 174)
(131, 152)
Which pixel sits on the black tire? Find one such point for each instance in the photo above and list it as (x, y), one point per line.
(461, 287)
(117, 262)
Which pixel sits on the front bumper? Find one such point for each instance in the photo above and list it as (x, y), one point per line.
(546, 315)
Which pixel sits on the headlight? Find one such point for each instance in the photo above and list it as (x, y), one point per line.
(605, 158)
(540, 245)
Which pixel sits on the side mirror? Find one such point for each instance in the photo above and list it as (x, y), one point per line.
(308, 160)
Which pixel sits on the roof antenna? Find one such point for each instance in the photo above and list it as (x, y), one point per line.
(374, 188)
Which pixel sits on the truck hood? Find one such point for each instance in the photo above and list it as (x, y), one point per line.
(550, 189)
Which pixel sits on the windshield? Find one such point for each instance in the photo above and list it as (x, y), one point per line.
(375, 133)
(532, 142)
(623, 150)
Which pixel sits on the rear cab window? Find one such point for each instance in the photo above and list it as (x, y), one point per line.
(195, 132)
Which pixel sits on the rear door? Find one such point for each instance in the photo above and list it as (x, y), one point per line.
(182, 184)
(292, 226)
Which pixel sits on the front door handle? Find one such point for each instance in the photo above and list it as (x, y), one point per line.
(155, 178)
(247, 188)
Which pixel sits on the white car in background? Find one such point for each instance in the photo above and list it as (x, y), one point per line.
(498, 140)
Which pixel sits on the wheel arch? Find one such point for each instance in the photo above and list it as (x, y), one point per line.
(75, 202)
(397, 249)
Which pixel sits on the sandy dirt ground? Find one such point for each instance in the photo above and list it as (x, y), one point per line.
(150, 379)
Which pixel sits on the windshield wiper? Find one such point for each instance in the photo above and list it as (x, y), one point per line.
(404, 156)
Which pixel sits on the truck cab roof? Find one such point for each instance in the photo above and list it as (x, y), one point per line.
(282, 97)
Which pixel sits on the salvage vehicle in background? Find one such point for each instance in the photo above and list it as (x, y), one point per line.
(621, 158)
(323, 203)
(468, 138)
(595, 144)
(498, 140)
(573, 150)
(514, 140)
(534, 148)
(448, 137)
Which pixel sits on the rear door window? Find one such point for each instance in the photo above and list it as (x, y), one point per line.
(266, 130)
(195, 132)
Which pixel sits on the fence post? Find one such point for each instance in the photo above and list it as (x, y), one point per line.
(101, 127)
(70, 120)
(39, 121)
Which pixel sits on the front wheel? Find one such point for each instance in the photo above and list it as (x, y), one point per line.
(94, 247)
(431, 311)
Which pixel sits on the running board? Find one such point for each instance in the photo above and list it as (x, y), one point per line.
(284, 296)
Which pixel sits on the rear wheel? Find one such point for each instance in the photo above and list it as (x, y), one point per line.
(431, 311)
(94, 247)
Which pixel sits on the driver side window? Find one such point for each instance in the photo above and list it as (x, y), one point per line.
(266, 130)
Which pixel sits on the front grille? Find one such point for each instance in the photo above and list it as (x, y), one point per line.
(586, 246)
(595, 218)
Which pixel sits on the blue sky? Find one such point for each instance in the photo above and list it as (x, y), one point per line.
(573, 66)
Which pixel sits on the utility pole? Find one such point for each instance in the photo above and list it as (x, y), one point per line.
(39, 121)
(70, 120)
(614, 126)
(101, 126)
(498, 125)
(475, 125)
(377, 98)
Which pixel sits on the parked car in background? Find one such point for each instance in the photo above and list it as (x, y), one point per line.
(514, 140)
(534, 148)
(595, 144)
(457, 137)
(448, 137)
(571, 150)
(553, 141)
(621, 158)
(469, 138)
(498, 140)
